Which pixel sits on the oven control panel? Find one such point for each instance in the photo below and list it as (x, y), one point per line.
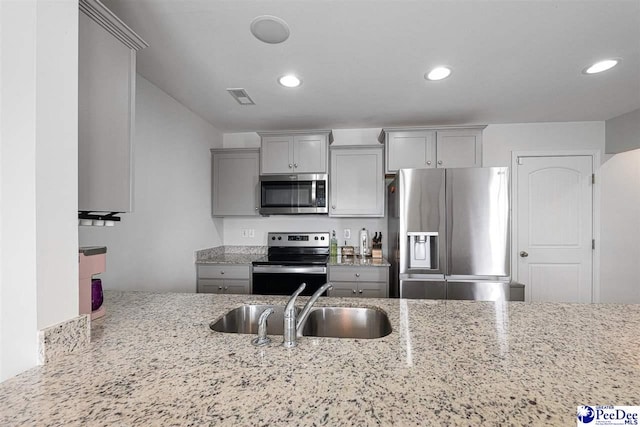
(298, 239)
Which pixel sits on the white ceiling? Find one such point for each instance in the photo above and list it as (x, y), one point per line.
(363, 62)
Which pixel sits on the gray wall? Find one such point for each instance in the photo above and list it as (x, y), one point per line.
(152, 248)
(623, 133)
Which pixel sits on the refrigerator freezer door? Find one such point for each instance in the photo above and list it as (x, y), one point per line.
(423, 289)
(478, 222)
(422, 209)
(478, 291)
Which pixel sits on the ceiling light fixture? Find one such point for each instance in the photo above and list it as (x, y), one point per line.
(438, 73)
(601, 66)
(270, 29)
(290, 80)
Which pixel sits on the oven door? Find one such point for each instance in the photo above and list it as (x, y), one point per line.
(285, 279)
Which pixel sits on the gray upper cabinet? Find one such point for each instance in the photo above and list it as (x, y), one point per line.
(459, 148)
(432, 148)
(106, 99)
(356, 181)
(294, 152)
(234, 183)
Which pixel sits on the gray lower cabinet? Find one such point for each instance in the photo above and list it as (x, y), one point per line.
(234, 182)
(224, 279)
(357, 181)
(362, 282)
(106, 100)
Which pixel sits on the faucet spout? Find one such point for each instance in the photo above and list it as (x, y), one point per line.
(289, 334)
(304, 314)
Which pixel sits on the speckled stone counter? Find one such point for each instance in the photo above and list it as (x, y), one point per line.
(354, 261)
(154, 361)
(230, 254)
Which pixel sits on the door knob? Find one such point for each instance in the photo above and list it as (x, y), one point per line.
(524, 254)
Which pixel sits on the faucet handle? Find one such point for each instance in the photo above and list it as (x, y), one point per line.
(288, 310)
(262, 338)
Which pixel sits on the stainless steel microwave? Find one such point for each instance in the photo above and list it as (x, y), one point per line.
(293, 194)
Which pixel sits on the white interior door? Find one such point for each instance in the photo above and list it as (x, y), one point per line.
(554, 228)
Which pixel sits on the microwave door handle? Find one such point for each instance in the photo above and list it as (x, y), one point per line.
(313, 193)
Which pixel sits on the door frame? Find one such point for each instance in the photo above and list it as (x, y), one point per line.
(595, 214)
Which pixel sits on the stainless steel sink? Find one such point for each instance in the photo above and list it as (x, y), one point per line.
(334, 322)
(347, 322)
(244, 320)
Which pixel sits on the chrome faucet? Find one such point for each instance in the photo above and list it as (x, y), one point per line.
(292, 327)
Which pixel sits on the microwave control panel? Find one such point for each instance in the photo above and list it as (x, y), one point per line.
(321, 194)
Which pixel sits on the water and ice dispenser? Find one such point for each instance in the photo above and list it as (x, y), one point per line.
(423, 250)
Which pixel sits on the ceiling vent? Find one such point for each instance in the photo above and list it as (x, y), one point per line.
(241, 96)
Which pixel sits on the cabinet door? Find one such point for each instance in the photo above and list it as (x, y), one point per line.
(411, 149)
(277, 154)
(106, 90)
(357, 183)
(235, 183)
(343, 289)
(310, 154)
(459, 148)
(236, 287)
(372, 289)
(210, 286)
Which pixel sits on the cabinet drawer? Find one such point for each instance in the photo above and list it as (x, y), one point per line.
(210, 286)
(369, 274)
(224, 271)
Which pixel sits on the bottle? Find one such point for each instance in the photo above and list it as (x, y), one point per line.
(333, 249)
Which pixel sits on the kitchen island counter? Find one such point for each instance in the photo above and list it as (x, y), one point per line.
(154, 361)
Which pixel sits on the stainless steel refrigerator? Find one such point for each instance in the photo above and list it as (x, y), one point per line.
(449, 234)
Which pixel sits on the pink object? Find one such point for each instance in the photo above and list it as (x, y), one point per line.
(89, 266)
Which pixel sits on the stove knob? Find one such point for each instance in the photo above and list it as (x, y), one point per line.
(279, 237)
(322, 238)
(316, 237)
(273, 238)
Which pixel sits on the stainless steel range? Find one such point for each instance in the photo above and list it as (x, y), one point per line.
(292, 259)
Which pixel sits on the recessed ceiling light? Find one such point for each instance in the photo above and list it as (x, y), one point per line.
(438, 73)
(270, 29)
(289, 81)
(601, 66)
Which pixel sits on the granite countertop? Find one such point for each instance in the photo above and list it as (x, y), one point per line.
(354, 261)
(154, 361)
(230, 254)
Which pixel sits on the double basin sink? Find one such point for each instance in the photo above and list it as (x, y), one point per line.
(334, 322)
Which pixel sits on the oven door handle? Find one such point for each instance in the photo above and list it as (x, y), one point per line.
(289, 269)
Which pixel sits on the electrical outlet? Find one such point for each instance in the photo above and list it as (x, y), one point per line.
(347, 233)
(252, 233)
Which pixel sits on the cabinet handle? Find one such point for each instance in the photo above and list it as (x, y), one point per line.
(439, 162)
(360, 291)
(428, 162)
(354, 291)
(290, 165)
(524, 254)
(256, 208)
(226, 288)
(333, 206)
(295, 165)
(222, 272)
(219, 288)
(357, 274)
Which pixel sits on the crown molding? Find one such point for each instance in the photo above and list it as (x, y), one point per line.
(102, 16)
